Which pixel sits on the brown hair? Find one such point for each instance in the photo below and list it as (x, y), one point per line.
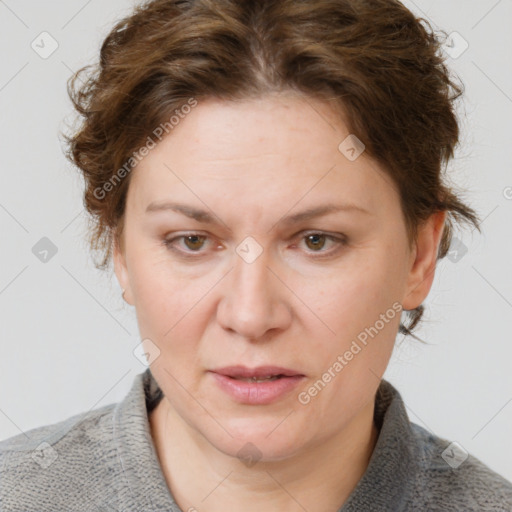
(374, 59)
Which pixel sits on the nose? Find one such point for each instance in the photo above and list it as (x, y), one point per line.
(254, 300)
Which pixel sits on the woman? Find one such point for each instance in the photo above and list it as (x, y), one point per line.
(267, 179)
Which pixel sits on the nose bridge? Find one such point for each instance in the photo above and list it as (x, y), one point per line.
(253, 302)
(252, 277)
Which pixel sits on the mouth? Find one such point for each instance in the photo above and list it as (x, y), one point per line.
(259, 374)
(257, 386)
(257, 379)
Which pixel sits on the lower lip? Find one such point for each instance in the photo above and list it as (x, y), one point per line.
(257, 393)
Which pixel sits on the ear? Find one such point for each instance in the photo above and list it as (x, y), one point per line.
(423, 260)
(121, 269)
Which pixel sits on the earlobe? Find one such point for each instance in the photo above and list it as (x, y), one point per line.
(121, 271)
(424, 260)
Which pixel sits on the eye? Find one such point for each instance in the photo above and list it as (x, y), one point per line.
(317, 241)
(193, 242)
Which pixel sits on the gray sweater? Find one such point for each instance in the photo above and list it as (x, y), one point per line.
(104, 461)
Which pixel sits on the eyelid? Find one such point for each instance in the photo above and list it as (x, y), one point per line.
(335, 236)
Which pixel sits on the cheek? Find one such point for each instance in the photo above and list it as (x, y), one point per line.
(173, 312)
(160, 301)
(359, 305)
(157, 278)
(350, 299)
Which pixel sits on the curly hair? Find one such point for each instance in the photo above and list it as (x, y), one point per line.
(382, 66)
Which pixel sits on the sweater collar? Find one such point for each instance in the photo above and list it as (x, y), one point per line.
(143, 486)
(387, 481)
(384, 485)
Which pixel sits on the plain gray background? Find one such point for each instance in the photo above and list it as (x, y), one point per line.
(67, 337)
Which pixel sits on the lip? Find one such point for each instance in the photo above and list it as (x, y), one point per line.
(259, 372)
(256, 393)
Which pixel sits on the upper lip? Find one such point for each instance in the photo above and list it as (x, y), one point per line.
(258, 372)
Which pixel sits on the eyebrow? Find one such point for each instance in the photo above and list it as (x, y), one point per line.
(206, 217)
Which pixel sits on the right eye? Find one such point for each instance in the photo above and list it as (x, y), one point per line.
(193, 241)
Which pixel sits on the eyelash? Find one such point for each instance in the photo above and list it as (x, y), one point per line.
(341, 241)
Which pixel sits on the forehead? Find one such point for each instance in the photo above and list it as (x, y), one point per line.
(274, 123)
(283, 148)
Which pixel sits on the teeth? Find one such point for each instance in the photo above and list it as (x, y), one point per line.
(257, 379)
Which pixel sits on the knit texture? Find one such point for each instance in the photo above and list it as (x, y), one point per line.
(105, 461)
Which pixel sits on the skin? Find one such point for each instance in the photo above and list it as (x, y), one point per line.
(250, 164)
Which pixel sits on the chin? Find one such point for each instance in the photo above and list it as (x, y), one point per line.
(257, 443)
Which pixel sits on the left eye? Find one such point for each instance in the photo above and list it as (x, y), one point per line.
(194, 242)
(317, 240)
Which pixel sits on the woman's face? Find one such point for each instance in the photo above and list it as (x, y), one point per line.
(257, 283)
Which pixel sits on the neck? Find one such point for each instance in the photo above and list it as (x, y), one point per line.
(202, 477)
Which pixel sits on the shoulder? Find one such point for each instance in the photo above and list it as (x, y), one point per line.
(452, 479)
(53, 465)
